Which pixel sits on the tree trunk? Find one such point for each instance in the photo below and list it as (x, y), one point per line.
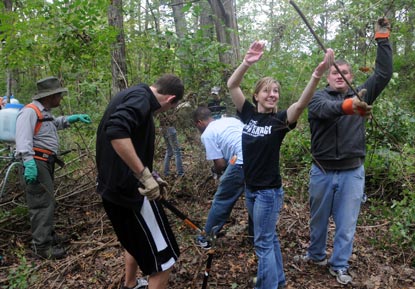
(206, 21)
(8, 5)
(179, 18)
(181, 30)
(226, 29)
(118, 62)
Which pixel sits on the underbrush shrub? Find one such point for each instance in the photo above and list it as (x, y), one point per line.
(391, 126)
(23, 275)
(384, 177)
(390, 167)
(295, 161)
(403, 220)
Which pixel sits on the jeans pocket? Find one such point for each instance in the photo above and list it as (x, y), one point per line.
(315, 170)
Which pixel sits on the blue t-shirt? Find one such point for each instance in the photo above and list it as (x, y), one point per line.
(262, 136)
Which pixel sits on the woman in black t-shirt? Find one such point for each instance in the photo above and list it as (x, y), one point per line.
(264, 131)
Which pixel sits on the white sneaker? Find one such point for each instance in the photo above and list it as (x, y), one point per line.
(342, 276)
(141, 284)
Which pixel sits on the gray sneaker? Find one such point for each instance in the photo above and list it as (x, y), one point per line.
(342, 276)
(141, 284)
(306, 259)
(203, 242)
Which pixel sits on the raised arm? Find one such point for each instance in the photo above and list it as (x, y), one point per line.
(253, 55)
(295, 110)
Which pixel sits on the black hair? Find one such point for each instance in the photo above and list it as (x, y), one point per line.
(201, 113)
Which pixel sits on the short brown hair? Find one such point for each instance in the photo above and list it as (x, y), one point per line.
(170, 84)
(339, 62)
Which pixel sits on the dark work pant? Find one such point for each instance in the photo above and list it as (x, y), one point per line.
(41, 202)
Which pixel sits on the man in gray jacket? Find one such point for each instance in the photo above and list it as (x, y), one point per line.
(337, 121)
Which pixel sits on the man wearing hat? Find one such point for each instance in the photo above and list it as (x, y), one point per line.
(37, 145)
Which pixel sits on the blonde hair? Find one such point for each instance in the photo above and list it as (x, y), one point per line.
(264, 82)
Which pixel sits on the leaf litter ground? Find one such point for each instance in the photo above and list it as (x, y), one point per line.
(95, 258)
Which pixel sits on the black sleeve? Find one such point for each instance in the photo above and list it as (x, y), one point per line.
(128, 115)
(383, 71)
(247, 110)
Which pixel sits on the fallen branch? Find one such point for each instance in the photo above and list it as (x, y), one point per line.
(373, 226)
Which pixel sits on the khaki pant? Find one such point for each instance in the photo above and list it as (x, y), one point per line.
(41, 202)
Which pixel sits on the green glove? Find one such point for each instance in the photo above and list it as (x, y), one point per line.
(79, 117)
(30, 171)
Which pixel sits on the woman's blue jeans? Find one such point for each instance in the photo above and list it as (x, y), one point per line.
(172, 144)
(339, 194)
(264, 207)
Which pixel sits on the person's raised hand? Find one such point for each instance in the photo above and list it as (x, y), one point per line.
(382, 28)
(254, 53)
(325, 64)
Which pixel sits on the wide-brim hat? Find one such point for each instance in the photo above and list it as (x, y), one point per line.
(49, 86)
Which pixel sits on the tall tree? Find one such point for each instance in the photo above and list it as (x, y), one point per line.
(179, 18)
(8, 4)
(206, 21)
(226, 29)
(181, 27)
(118, 62)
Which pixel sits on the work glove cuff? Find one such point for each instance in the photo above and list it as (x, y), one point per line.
(30, 171)
(150, 187)
(144, 175)
(162, 183)
(382, 28)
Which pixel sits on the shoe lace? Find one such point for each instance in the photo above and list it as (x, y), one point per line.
(342, 272)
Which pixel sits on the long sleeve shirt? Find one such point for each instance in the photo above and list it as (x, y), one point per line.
(337, 139)
(47, 136)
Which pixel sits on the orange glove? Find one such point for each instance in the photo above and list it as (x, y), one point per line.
(356, 105)
(382, 28)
